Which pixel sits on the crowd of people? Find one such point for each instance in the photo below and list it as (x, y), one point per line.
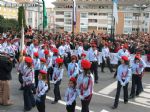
(42, 59)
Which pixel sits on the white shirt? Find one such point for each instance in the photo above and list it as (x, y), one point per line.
(93, 55)
(105, 52)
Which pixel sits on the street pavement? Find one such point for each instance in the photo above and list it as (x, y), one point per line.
(102, 100)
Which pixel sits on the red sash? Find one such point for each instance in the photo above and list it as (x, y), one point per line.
(124, 75)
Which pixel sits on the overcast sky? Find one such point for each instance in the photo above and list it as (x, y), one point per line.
(49, 3)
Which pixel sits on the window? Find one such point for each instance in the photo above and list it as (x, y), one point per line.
(67, 14)
(84, 15)
(30, 14)
(92, 13)
(136, 14)
(102, 28)
(146, 15)
(92, 20)
(59, 13)
(127, 30)
(83, 29)
(68, 21)
(103, 14)
(84, 22)
(59, 20)
(30, 20)
(68, 28)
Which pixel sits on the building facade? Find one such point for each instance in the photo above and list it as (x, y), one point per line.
(8, 9)
(96, 15)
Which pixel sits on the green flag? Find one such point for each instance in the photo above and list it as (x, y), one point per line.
(44, 15)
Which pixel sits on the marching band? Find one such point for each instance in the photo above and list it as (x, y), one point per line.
(42, 62)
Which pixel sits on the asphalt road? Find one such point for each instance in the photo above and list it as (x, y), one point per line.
(102, 100)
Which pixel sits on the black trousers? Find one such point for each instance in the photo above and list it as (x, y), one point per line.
(29, 100)
(108, 64)
(94, 70)
(36, 74)
(119, 63)
(71, 108)
(49, 76)
(125, 90)
(67, 59)
(85, 105)
(57, 91)
(20, 78)
(136, 85)
(41, 104)
(141, 85)
(50, 73)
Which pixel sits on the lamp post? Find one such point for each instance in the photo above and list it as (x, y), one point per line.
(140, 8)
(113, 26)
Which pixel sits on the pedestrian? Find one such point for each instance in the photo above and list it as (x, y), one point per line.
(54, 57)
(41, 91)
(57, 77)
(71, 95)
(137, 72)
(122, 52)
(86, 86)
(123, 77)
(106, 58)
(67, 58)
(36, 63)
(73, 68)
(43, 64)
(5, 77)
(48, 58)
(28, 82)
(83, 56)
(93, 57)
(21, 66)
(80, 50)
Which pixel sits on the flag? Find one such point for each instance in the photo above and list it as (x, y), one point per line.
(115, 10)
(44, 15)
(74, 12)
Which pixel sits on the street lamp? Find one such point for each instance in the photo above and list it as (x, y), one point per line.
(140, 8)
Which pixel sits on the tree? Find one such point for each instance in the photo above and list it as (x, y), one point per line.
(8, 24)
(21, 17)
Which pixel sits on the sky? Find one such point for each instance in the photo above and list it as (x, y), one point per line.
(48, 3)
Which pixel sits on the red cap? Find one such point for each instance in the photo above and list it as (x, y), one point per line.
(46, 52)
(24, 52)
(28, 60)
(73, 80)
(59, 60)
(36, 54)
(106, 44)
(55, 50)
(94, 45)
(138, 52)
(137, 57)
(16, 39)
(73, 57)
(125, 46)
(43, 72)
(85, 64)
(80, 43)
(125, 58)
(83, 54)
(43, 60)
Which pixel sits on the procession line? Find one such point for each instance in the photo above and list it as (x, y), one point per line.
(110, 97)
(63, 103)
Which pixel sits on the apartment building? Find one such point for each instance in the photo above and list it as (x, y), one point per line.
(96, 15)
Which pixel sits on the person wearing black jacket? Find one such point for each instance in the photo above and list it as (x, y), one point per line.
(5, 77)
